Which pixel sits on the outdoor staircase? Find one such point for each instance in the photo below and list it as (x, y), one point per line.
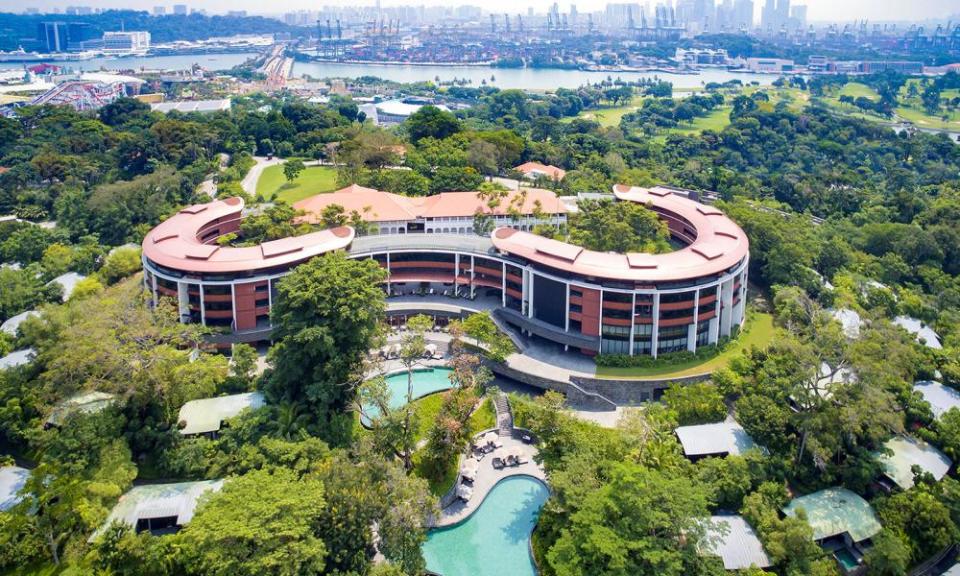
(504, 415)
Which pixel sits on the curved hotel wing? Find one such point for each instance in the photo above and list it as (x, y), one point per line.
(591, 301)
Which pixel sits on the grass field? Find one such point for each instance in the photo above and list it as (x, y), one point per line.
(921, 119)
(313, 180)
(717, 120)
(428, 408)
(856, 90)
(758, 332)
(610, 116)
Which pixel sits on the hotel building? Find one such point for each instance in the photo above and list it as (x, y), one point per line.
(594, 302)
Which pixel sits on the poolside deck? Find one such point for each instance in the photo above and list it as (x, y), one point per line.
(487, 478)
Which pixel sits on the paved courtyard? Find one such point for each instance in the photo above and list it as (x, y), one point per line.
(487, 478)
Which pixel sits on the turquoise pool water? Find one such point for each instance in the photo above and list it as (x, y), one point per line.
(495, 539)
(425, 382)
(846, 559)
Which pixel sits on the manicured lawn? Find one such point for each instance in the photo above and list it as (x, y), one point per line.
(610, 116)
(716, 120)
(313, 180)
(921, 119)
(758, 332)
(427, 409)
(856, 90)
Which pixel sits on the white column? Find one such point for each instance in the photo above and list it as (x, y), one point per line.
(503, 282)
(156, 296)
(388, 272)
(183, 300)
(270, 300)
(566, 309)
(473, 273)
(655, 329)
(633, 313)
(692, 331)
(203, 311)
(726, 307)
(530, 277)
(456, 271)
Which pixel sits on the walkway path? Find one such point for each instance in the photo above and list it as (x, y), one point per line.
(249, 182)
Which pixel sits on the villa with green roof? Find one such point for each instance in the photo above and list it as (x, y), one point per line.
(907, 452)
(159, 508)
(842, 523)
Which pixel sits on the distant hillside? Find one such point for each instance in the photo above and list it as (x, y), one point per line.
(21, 29)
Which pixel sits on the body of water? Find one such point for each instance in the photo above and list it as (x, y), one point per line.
(494, 540)
(425, 382)
(525, 78)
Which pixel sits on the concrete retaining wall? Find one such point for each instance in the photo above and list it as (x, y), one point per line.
(596, 393)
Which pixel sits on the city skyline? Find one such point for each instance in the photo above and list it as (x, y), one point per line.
(817, 10)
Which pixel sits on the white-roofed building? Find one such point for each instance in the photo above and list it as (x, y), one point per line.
(396, 111)
(941, 398)
(924, 334)
(206, 416)
(908, 452)
(12, 323)
(159, 508)
(718, 439)
(12, 480)
(735, 542)
(17, 358)
(85, 402)
(850, 321)
(67, 282)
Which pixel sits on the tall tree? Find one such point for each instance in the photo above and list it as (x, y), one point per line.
(325, 316)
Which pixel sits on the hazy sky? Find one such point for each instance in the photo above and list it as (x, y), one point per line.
(873, 10)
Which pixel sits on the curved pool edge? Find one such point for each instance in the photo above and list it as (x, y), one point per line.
(402, 371)
(521, 475)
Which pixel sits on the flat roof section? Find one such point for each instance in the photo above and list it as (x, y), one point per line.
(836, 511)
(152, 501)
(12, 480)
(207, 415)
(725, 437)
(735, 542)
(941, 398)
(719, 244)
(909, 452)
(176, 243)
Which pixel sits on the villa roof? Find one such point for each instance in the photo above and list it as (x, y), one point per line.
(718, 244)
(68, 282)
(941, 398)
(12, 479)
(160, 501)
(735, 542)
(909, 452)
(200, 416)
(725, 437)
(924, 334)
(17, 358)
(85, 402)
(850, 321)
(836, 511)
(12, 323)
(176, 243)
(536, 168)
(377, 206)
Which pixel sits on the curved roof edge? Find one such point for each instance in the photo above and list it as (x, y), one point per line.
(178, 242)
(718, 244)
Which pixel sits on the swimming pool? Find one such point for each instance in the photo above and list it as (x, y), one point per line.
(495, 539)
(425, 381)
